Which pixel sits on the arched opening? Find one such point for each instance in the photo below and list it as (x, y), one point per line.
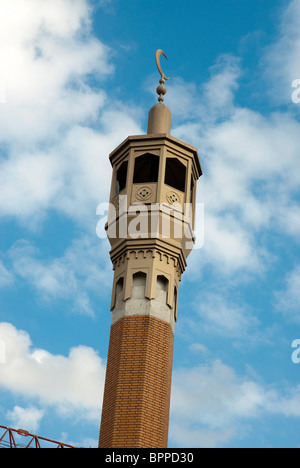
(121, 177)
(119, 286)
(175, 303)
(192, 190)
(175, 174)
(138, 285)
(163, 282)
(162, 288)
(118, 293)
(146, 169)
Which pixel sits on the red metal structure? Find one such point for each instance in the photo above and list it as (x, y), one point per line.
(18, 438)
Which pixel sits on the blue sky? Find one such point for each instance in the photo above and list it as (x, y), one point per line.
(79, 77)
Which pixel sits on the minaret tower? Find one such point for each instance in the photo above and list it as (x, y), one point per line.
(150, 228)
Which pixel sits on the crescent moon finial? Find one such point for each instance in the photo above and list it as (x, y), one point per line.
(160, 52)
(161, 89)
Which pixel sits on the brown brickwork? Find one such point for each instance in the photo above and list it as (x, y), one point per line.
(136, 401)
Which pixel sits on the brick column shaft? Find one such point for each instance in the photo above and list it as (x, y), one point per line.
(137, 390)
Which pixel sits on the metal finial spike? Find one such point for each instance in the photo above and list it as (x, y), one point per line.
(161, 89)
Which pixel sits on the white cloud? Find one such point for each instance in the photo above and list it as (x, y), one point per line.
(289, 218)
(189, 101)
(287, 301)
(208, 403)
(250, 184)
(287, 404)
(250, 161)
(71, 384)
(72, 176)
(228, 245)
(52, 158)
(212, 406)
(28, 183)
(84, 269)
(6, 277)
(198, 348)
(224, 317)
(84, 164)
(185, 436)
(219, 91)
(243, 188)
(47, 52)
(281, 60)
(28, 418)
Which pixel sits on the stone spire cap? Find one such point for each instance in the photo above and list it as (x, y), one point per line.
(159, 120)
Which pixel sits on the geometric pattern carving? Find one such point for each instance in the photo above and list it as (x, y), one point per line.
(144, 193)
(173, 197)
